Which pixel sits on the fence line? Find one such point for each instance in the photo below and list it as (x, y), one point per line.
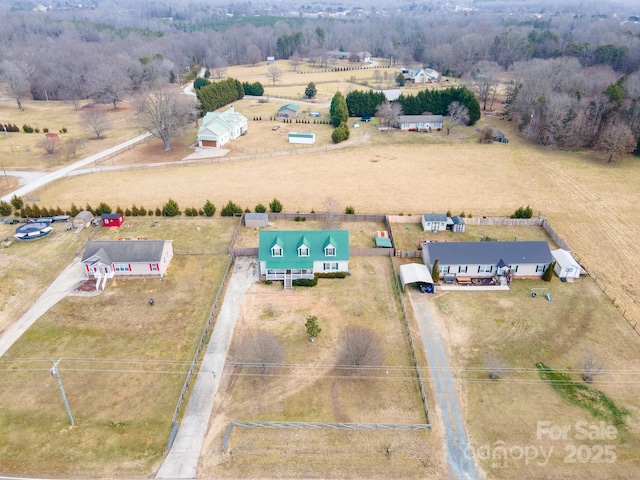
(423, 395)
(412, 427)
(200, 252)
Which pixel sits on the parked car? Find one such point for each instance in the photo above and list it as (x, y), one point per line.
(11, 221)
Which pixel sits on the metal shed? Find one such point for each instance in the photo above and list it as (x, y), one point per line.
(415, 273)
(306, 138)
(566, 266)
(256, 220)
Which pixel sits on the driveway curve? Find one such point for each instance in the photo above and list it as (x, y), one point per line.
(459, 454)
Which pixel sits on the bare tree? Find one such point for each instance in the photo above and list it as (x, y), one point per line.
(254, 55)
(163, 112)
(389, 112)
(458, 115)
(496, 367)
(360, 348)
(486, 78)
(591, 368)
(16, 81)
(96, 120)
(71, 146)
(295, 61)
(261, 349)
(616, 140)
(49, 144)
(331, 207)
(109, 83)
(219, 67)
(274, 74)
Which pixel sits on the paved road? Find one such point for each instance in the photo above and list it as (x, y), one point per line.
(459, 454)
(70, 277)
(36, 183)
(182, 460)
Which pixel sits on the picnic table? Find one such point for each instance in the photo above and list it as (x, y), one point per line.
(463, 280)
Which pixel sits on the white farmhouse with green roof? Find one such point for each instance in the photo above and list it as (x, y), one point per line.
(291, 254)
(219, 128)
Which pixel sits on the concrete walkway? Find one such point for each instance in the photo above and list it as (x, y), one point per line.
(182, 460)
(66, 282)
(459, 454)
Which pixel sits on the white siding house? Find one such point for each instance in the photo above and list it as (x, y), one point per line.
(219, 128)
(420, 123)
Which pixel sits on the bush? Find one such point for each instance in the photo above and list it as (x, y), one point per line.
(158, 212)
(486, 135)
(17, 202)
(230, 209)
(305, 282)
(548, 273)
(63, 130)
(191, 212)
(102, 208)
(209, 209)
(5, 208)
(349, 210)
(275, 206)
(331, 275)
(127, 212)
(523, 212)
(260, 208)
(143, 211)
(27, 128)
(435, 271)
(45, 130)
(171, 209)
(340, 134)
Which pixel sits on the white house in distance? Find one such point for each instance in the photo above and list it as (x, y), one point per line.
(528, 259)
(109, 258)
(418, 74)
(219, 128)
(420, 123)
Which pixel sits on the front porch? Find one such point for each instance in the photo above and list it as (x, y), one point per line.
(288, 275)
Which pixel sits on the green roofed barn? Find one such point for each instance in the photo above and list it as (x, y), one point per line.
(291, 254)
(288, 111)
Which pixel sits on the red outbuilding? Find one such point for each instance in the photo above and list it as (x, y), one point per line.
(112, 219)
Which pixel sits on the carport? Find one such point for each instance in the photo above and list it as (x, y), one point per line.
(415, 273)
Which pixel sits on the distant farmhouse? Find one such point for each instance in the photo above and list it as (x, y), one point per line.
(419, 74)
(219, 128)
(420, 123)
(364, 57)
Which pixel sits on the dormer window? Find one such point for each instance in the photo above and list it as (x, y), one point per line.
(330, 251)
(303, 247)
(276, 251)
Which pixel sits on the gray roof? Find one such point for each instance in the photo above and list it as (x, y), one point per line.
(434, 217)
(84, 215)
(125, 251)
(419, 118)
(256, 216)
(457, 220)
(489, 253)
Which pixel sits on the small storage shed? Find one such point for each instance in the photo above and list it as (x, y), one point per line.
(457, 224)
(434, 222)
(112, 219)
(82, 219)
(415, 273)
(566, 266)
(306, 138)
(256, 220)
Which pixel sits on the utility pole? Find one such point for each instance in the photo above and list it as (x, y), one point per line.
(54, 373)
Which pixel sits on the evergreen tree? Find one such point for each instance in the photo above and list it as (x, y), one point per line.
(275, 206)
(338, 110)
(209, 209)
(170, 209)
(311, 90)
(435, 271)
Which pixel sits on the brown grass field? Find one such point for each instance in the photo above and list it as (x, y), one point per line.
(310, 389)
(590, 203)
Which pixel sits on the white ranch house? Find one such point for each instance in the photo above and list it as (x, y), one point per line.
(421, 123)
(219, 128)
(109, 258)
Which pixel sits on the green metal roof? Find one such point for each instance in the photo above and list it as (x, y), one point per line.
(290, 241)
(290, 106)
(302, 135)
(383, 242)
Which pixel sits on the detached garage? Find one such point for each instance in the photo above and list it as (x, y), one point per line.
(416, 273)
(306, 138)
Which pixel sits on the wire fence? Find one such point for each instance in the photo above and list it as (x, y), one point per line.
(411, 427)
